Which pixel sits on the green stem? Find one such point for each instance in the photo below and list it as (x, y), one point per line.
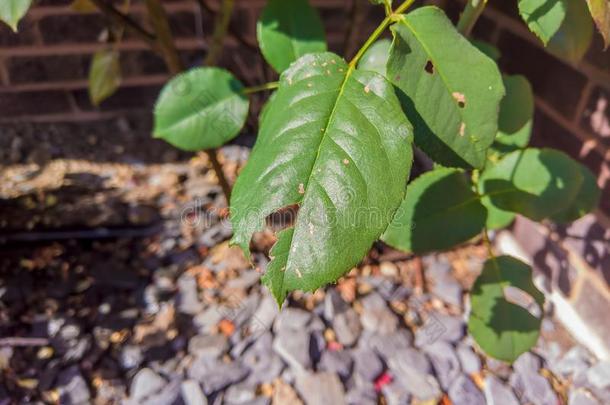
(470, 15)
(380, 29)
(221, 27)
(159, 20)
(262, 87)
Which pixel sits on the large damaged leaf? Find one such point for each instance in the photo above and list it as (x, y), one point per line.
(336, 143)
(449, 89)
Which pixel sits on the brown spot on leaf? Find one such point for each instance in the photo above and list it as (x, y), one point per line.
(429, 67)
(460, 98)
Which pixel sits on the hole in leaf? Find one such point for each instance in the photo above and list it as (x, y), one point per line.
(519, 297)
(283, 218)
(429, 67)
(460, 98)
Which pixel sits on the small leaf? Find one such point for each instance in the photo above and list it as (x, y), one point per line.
(574, 37)
(488, 49)
(600, 11)
(83, 6)
(288, 30)
(449, 90)
(504, 330)
(586, 201)
(517, 107)
(334, 142)
(536, 183)
(201, 109)
(543, 17)
(439, 211)
(104, 75)
(11, 11)
(376, 57)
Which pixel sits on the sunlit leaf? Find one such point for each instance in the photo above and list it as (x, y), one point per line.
(11, 11)
(334, 141)
(376, 57)
(201, 109)
(574, 37)
(543, 17)
(600, 11)
(288, 30)
(449, 89)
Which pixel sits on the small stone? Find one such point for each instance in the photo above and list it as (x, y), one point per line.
(577, 360)
(396, 394)
(212, 346)
(387, 345)
(246, 280)
(192, 393)
(239, 394)
(581, 397)
(72, 387)
(206, 321)
(320, 388)
(292, 318)
(170, 394)
(376, 316)
(445, 363)
(218, 375)
(599, 375)
(333, 305)
(412, 371)
(347, 327)
(440, 327)
(448, 290)
(187, 297)
(285, 394)
(534, 388)
(464, 392)
(469, 360)
(527, 363)
(498, 367)
(131, 357)
(338, 362)
(388, 269)
(145, 384)
(293, 346)
(496, 393)
(366, 364)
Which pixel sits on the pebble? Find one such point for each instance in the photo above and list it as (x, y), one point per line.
(376, 316)
(387, 345)
(72, 387)
(339, 362)
(293, 346)
(291, 318)
(412, 371)
(217, 376)
(580, 397)
(334, 304)
(367, 364)
(445, 363)
(599, 375)
(246, 280)
(469, 360)
(440, 327)
(145, 384)
(206, 322)
(192, 393)
(320, 388)
(533, 387)
(396, 394)
(527, 363)
(212, 346)
(576, 360)
(464, 392)
(497, 393)
(239, 394)
(347, 327)
(131, 357)
(187, 298)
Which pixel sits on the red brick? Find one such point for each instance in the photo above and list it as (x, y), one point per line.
(47, 69)
(77, 28)
(13, 105)
(126, 98)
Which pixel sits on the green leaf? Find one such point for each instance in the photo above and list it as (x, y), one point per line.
(201, 109)
(536, 183)
(574, 37)
(450, 90)
(335, 142)
(288, 30)
(504, 330)
(11, 11)
(439, 211)
(104, 75)
(543, 17)
(488, 49)
(517, 107)
(376, 57)
(600, 11)
(496, 218)
(586, 201)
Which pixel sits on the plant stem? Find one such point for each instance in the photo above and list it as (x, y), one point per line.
(159, 20)
(130, 24)
(222, 180)
(487, 242)
(380, 29)
(221, 28)
(232, 31)
(262, 87)
(470, 15)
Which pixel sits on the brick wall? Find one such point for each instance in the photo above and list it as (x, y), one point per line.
(43, 69)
